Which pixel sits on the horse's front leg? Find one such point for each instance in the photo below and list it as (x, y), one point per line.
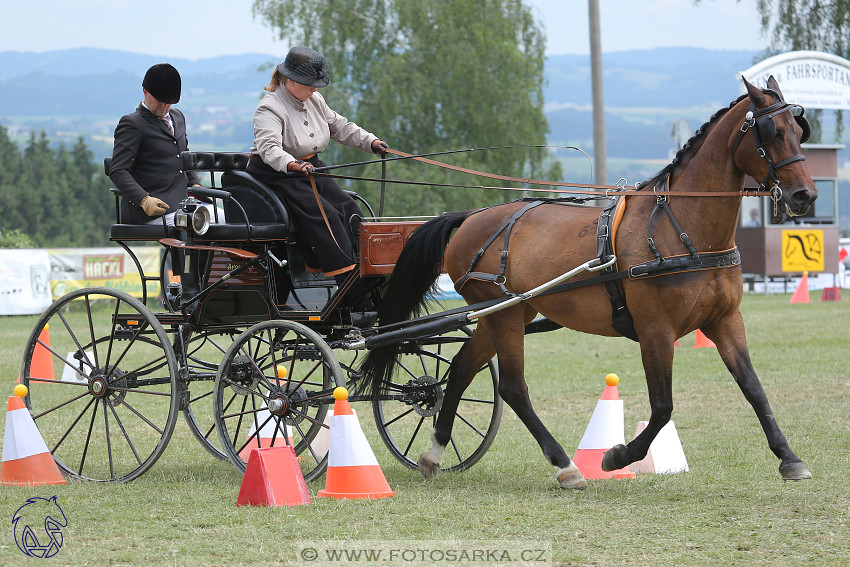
(731, 341)
(657, 356)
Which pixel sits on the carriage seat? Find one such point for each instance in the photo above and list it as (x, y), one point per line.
(253, 211)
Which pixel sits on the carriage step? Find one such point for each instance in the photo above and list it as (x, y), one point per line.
(174, 243)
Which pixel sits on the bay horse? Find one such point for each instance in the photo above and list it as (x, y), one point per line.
(758, 135)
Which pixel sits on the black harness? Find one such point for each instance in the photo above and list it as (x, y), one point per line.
(763, 127)
(621, 318)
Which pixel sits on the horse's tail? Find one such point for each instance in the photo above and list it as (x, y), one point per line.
(407, 291)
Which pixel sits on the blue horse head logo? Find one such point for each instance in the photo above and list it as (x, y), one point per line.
(38, 527)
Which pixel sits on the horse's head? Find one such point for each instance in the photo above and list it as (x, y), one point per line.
(767, 148)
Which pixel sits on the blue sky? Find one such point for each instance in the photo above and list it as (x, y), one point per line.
(205, 28)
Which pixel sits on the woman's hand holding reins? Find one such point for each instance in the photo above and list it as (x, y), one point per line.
(380, 147)
(300, 165)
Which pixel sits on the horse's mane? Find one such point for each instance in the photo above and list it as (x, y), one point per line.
(691, 145)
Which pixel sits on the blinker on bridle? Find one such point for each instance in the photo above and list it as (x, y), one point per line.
(763, 126)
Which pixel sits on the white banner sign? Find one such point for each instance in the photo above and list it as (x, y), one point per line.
(24, 282)
(809, 78)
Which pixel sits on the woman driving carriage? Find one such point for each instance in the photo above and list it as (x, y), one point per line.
(292, 126)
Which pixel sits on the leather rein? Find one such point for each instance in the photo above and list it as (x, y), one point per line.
(585, 188)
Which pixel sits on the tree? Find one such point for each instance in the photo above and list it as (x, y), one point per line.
(817, 25)
(428, 76)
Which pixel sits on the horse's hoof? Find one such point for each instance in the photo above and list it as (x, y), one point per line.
(428, 468)
(794, 471)
(609, 459)
(571, 477)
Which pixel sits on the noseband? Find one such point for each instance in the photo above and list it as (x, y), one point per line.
(763, 127)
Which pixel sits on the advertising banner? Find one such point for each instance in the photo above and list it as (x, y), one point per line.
(24, 282)
(76, 268)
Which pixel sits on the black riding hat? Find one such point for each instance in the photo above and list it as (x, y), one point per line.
(305, 66)
(163, 82)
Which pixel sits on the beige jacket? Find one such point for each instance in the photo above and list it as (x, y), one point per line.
(287, 129)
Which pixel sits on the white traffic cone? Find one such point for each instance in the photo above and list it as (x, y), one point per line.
(665, 455)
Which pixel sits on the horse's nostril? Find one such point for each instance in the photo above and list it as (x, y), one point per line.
(801, 197)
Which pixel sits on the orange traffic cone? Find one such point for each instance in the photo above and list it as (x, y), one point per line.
(353, 470)
(273, 477)
(802, 293)
(665, 455)
(26, 459)
(702, 341)
(603, 432)
(42, 361)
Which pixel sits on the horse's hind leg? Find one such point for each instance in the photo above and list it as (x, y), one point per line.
(473, 355)
(507, 330)
(731, 343)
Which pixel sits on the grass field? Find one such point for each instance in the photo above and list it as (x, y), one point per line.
(732, 508)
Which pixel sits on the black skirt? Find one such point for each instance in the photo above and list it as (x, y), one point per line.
(335, 252)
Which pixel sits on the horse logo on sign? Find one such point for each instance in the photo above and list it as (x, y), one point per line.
(38, 527)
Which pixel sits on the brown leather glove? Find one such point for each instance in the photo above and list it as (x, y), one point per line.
(152, 206)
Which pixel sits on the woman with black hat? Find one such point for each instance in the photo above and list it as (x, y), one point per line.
(292, 126)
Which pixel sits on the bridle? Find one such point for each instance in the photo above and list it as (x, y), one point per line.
(763, 126)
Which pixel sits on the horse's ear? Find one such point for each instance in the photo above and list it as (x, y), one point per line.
(755, 93)
(774, 86)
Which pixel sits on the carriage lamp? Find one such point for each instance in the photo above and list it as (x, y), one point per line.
(193, 216)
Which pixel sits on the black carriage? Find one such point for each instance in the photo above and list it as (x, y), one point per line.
(245, 341)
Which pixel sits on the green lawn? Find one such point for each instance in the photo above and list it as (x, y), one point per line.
(732, 508)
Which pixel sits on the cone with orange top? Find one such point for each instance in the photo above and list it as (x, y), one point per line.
(271, 433)
(801, 295)
(606, 429)
(701, 341)
(26, 459)
(41, 365)
(353, 470)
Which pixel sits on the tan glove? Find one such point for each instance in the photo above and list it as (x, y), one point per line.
(152, 206)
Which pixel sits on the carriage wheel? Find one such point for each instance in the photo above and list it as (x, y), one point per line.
(406, 408)
(101, 386)
(255, 406)
(204, 352)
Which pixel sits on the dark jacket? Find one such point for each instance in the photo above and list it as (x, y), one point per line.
(146, 161)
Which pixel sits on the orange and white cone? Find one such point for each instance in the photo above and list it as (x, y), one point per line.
(665, 455)
(41, 365)
(26, 458)
(701, 341)
(801, 294)
(353, 470)
(603, 432)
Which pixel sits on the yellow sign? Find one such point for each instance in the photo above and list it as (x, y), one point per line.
(802, 250)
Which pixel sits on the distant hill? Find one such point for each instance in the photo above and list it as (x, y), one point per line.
(85, 91)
